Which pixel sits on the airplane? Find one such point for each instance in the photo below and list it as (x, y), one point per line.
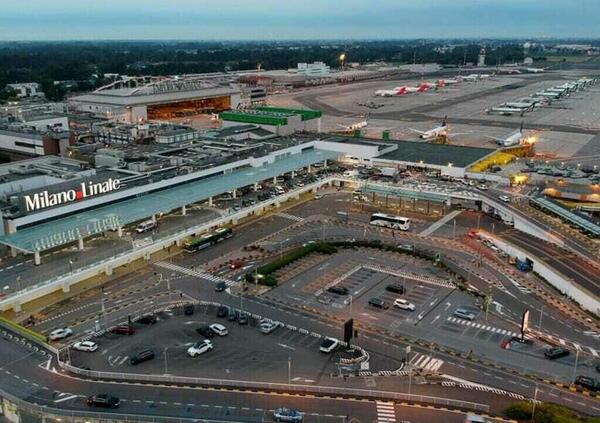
(450, 81)
(535, 70)
(404, 89)
(505, 111)
(525, 106)
(517, 138)
(439, 132)
(356, 126)
(471, 78)
(547, 94)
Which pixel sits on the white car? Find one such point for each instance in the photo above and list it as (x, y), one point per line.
(200, 348)
(483, 187)
(329, 345)
(219, 329)
(62, 333)
(403, 304)
(85, 346)
(505, 198)
(268, 327)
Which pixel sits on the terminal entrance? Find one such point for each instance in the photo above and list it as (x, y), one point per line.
(189, 108)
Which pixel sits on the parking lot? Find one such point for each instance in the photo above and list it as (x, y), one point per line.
(245, 352)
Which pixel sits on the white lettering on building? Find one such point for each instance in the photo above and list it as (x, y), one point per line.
(44, 199)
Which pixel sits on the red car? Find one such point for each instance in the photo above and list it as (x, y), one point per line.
(236, 264)
(123, 330)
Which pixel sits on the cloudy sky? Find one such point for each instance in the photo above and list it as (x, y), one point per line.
(295, 19)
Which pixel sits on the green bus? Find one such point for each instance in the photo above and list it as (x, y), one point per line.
(203, 241)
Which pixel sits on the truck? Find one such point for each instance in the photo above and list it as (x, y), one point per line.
(388, 172)
(524, 265)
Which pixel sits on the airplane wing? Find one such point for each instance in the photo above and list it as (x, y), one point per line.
(417, 131)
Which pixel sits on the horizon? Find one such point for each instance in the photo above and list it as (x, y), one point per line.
(236, 20)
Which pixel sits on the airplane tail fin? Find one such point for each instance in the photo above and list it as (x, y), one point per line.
(445, 121)
(521, 128)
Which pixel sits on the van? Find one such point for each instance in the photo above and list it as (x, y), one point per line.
(279, 190)
(142, 356)
(146, 226)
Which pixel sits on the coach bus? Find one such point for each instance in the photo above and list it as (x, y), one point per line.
(390, 221)
(203, 241)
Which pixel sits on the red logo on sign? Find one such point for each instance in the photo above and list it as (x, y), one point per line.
(79, 195)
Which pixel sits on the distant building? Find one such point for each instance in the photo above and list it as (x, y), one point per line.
(26, 89)
(137, 100)
(528, 61)
(481, 58)
(313, 69)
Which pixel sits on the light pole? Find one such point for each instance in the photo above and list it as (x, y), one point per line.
(575, 365)
(71, 265)
(289, 370)
(454, 229)
(534, 401)
(478, 221)
(541, 314)
(165, 351)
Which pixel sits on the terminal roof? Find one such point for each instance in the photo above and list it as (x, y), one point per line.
(69, 229)
(436, 154)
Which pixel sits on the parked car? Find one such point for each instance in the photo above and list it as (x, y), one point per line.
(200, 347)
(586, 382)
(205, 331)
(146, 226)
(395, 288)
(243, 318)
(339, 290)
(462, 313)
(267, 327)
(556, 352)
(188, 309)
(88, 346)
(219, 329)
(141, 356)
(329, 345)
(287, 415)
(220, 286)
(62, 333)
(103, 400)
(505, 198)
(236, 264)
(123, 330)
(403, 304)
(222, 311)
(148, 319)
(232, 315)
(378, 303)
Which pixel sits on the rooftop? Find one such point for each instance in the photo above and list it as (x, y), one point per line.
(110, 217)
(436, 154)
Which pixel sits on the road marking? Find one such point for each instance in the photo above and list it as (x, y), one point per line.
(65, 397)
(386, 412)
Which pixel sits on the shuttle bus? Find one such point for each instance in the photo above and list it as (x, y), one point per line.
(203, 241)
(390, 221)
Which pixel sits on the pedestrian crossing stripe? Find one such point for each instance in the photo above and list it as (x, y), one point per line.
(290, 216)
(386, 412)
(190, 272)
(482, 326)
(426, 362)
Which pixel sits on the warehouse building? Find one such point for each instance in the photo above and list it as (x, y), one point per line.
(137, 100)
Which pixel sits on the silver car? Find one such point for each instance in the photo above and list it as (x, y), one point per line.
(287, 415)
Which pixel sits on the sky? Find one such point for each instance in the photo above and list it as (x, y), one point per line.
(295, 19)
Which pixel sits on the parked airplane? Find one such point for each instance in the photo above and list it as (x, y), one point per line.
(517, 138)
(404, 89)
(505, 111)
(439, 132)
(535, 70)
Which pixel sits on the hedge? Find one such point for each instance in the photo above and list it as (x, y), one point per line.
(21, 330)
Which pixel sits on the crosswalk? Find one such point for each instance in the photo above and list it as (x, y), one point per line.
(290, 217)
(426, 362)
(196, 273)
(520, 287)
(482, 326)
(386, 412)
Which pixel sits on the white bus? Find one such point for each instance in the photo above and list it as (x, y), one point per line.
(390, 221)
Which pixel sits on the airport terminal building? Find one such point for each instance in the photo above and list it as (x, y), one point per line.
(51, 201)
